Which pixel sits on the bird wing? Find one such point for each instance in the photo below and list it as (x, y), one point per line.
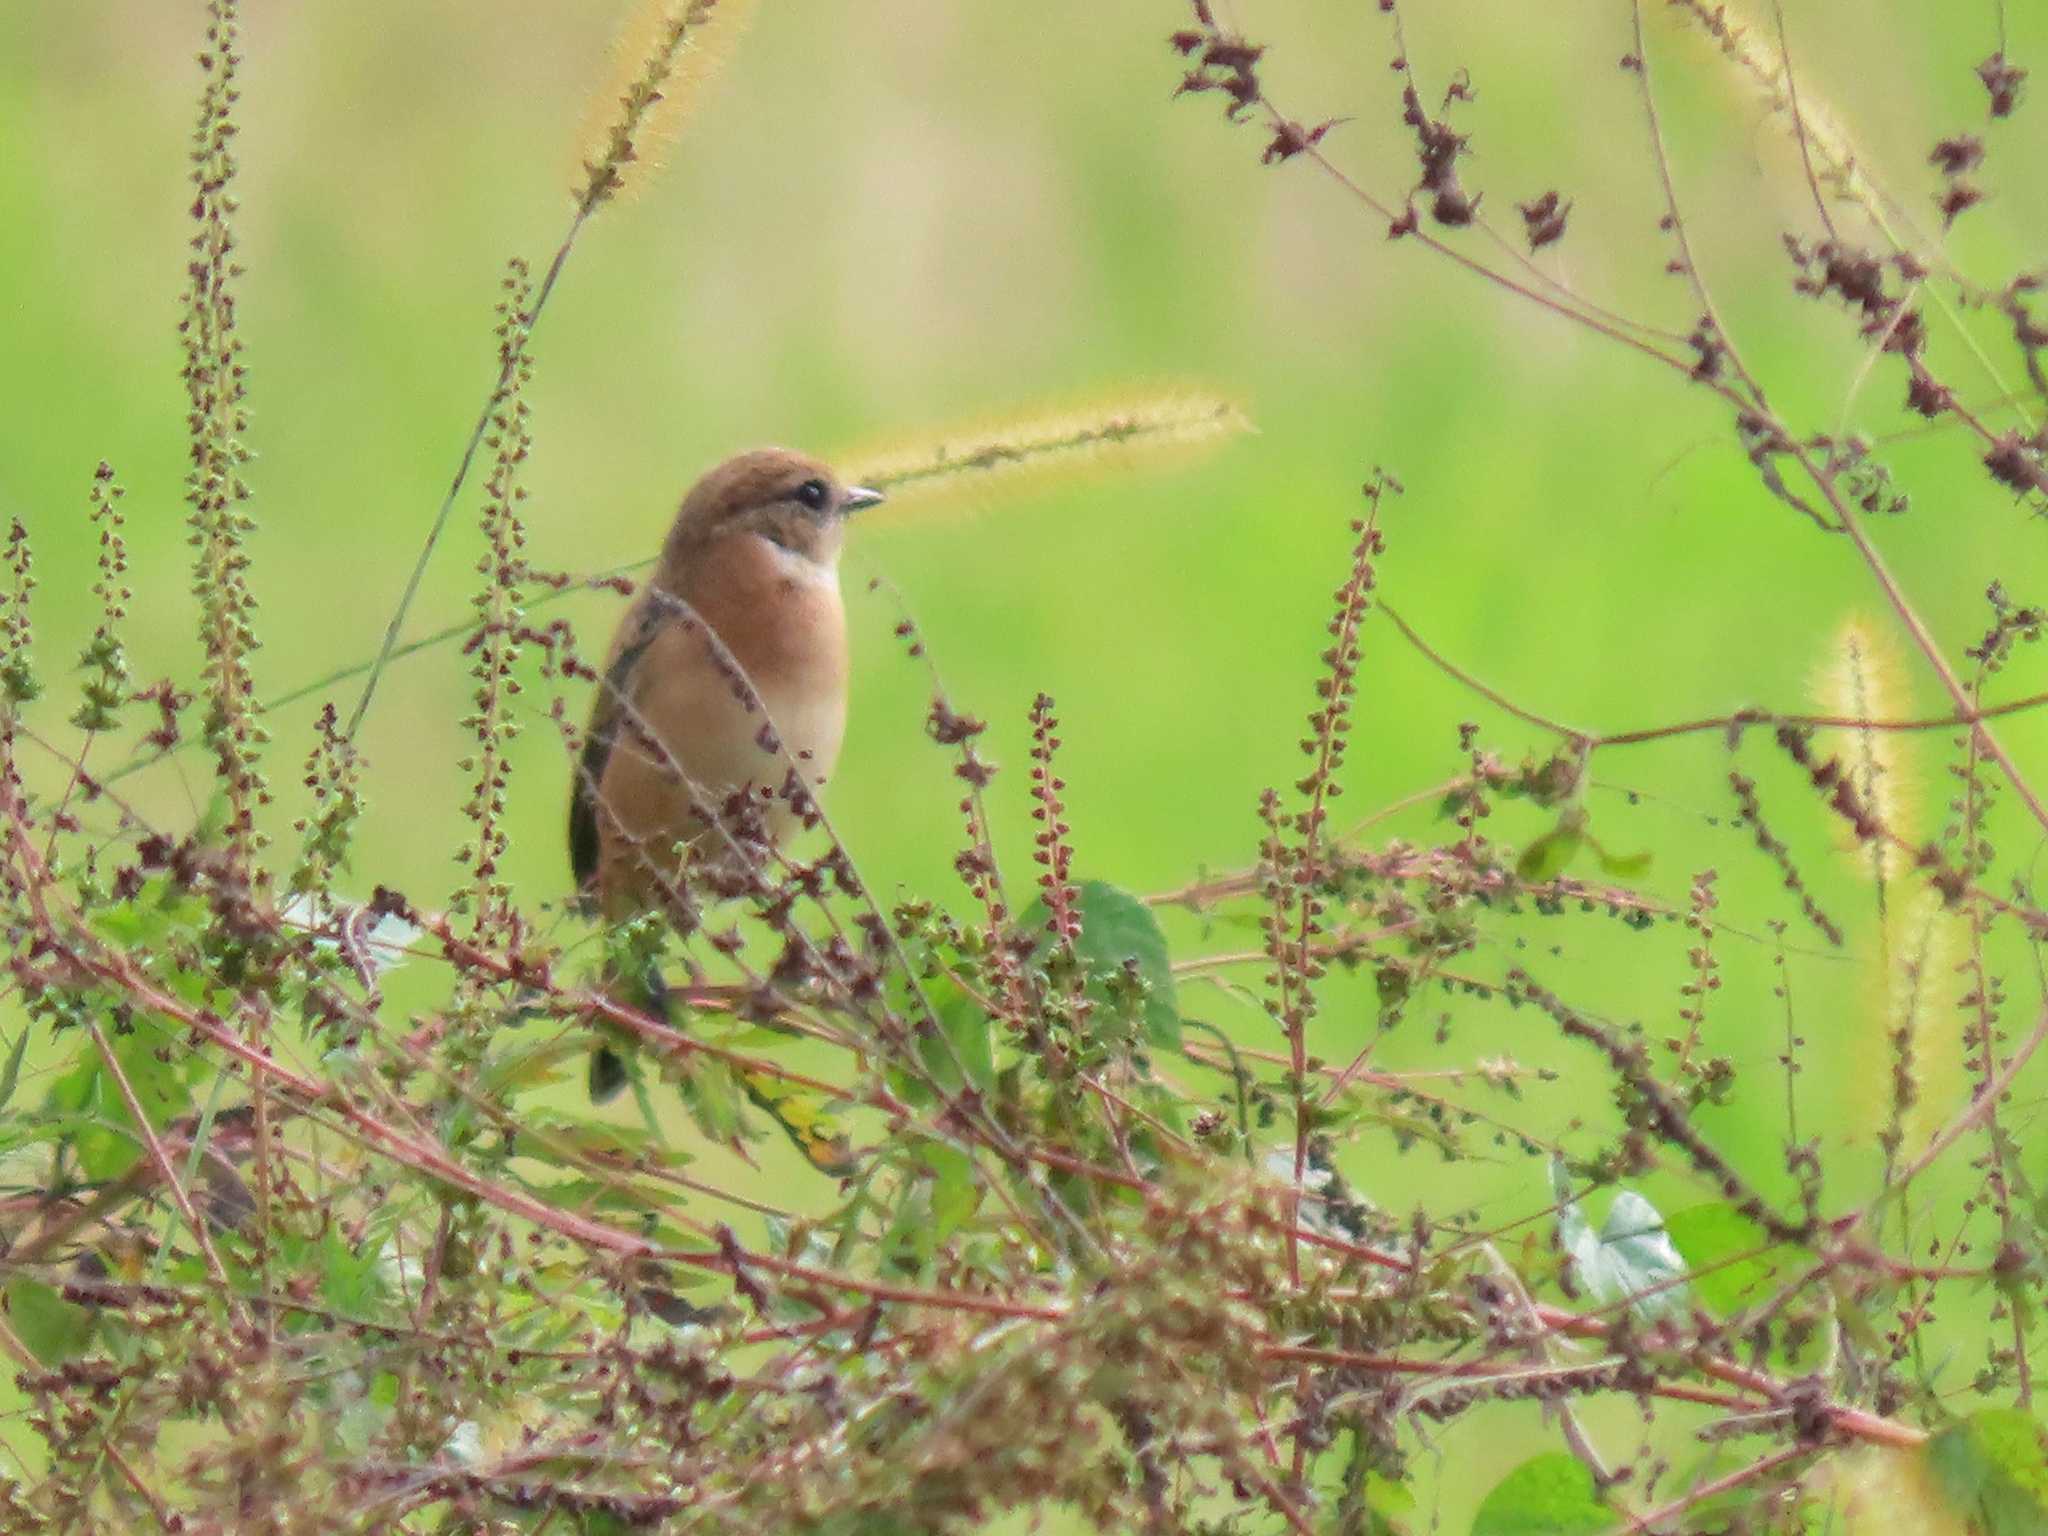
(614, 692)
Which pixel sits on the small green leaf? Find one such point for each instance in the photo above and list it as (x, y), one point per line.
(806, 1120)
(556, 1133)
(1993, 1469)
(11, 1077)
(711, 1094)
(1552, 853)
(584, 1196)
(1547, 1495)
(954, 1193)
(54, 1329)
(360, 1421)
(1623, 866)
(351, 1278)
(519, 1065)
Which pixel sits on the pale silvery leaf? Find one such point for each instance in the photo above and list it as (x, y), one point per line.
(465, 1446)
(1315, 1183)
(1279, 1162)
(1631, 1258)
(372, 945)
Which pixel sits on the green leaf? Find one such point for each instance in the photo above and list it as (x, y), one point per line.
(806, 1119)
(360, 1421)
(1547, 1495)
(964, 1053)
(1993, 1470)
(150, 916)
(557, 1134)
(54, 1329)
(351, 1279)
(520, 1065)
(1117, 927)
(1552, 853)
(586, 1195)
(1623, 866)
(907, 1245)
(955, 1195)
(1734, 1264)
(38, 1129)
(711, 1093)
(110, 1145)
(11, 1077)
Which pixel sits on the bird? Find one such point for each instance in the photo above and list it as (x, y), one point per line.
(728, 670)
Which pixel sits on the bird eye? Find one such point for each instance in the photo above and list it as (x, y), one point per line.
(814, 494)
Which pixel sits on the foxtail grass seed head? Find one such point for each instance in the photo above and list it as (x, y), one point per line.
(1864, 679)
(1912, 1077)
(1755, 53)
(666, 54)
(1029, 452)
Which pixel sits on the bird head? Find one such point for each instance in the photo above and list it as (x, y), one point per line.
(787, 498)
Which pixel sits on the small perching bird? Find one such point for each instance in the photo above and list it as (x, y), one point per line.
(723, 699)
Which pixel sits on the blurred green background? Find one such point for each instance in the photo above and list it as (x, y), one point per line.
(888, 217)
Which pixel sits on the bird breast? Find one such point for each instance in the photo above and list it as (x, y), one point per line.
(781, 617)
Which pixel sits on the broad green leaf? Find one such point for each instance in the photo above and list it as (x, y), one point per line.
(1733, 1263)
(146, 919)
(54, 1329)
(1819, 1511)
(45, 1127)
(585, 1196)
(1992, 1468)
(964, 1053)
(110, 1145)
(912, 1235)
(1547, 1495)
(359, 1422)
(351, 1276)
(1733, 1266)
(1115, 927)
(351, 1279)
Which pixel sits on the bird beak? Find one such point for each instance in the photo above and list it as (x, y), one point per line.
(858, 497)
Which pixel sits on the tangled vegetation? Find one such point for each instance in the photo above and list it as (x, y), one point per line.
(281, 1255)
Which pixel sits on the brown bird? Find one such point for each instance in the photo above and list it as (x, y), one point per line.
(729, 667)
(740, 626)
